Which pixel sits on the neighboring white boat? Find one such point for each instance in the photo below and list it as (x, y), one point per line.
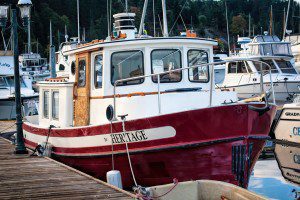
(7, 88)
(295, 46)
(244, 76)
(34, 68)
(288, 125)
(200, 190)
(219, 69)
(288, 158)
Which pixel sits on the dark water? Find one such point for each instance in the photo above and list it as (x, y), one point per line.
(276, 174)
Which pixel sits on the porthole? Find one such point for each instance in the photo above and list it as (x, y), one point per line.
(73, 68)
(61, 67)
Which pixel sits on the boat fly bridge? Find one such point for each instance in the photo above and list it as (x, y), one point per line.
(243, 71)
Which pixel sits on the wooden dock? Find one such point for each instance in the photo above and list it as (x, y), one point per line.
(32, 177)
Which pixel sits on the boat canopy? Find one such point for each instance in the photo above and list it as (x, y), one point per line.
(268, 45)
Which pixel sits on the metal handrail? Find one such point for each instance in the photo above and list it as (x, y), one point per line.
(181, 69)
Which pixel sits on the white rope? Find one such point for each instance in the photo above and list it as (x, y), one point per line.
(128, 155)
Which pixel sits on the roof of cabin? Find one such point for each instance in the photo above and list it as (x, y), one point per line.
(137, 41)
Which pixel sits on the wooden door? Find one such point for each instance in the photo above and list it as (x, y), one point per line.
(82, 90)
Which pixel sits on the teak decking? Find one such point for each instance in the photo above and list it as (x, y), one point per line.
(25, 177)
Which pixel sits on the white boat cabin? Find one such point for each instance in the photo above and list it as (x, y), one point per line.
(85, 90)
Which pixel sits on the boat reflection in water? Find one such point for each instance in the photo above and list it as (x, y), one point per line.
(278, 178)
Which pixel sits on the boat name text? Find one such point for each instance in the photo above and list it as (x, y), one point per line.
(136, 136)
(292, 114)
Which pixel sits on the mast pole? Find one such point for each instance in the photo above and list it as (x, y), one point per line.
(78, 24)
(271, 21)
(227, 26)
(165, 21)
(52, 55)
(143, 17)
(249, 25)
(286, 19)
(154, 25)
(29, 37)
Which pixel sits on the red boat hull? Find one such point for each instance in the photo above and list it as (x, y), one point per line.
(219, 143)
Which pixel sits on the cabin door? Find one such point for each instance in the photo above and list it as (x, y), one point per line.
(82, 90)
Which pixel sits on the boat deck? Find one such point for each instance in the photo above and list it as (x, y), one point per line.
(32, 177)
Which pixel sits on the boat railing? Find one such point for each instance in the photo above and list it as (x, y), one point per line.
(211, 88)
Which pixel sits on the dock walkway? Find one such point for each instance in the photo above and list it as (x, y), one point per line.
(32, 177)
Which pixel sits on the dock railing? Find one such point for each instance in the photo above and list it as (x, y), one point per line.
(211, 82)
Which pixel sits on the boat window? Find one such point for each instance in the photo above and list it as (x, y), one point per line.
(232, 66)
(241, 67)
(46, 104)
(265, 67)
(164, 60)
(286, 67)
(2, 82)
(81, 73)
(11, 81)
(98, 67)
(281, 49)
(55, 105)
(198, 58)
(127, 64)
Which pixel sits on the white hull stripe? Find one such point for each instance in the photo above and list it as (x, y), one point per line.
(105, 139)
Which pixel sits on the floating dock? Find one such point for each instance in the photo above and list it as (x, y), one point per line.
(33, 177)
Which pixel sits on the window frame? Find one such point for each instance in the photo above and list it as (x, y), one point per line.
(52, 105)
(208, 70)
(151, 62)
(48, 116)
(143, 67)
(94, 71)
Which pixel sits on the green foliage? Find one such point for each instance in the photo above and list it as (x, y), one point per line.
(206, 16)
(238, 25)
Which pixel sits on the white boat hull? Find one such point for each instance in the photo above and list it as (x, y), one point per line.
(284, 91)
(288, 126)
(8, 107)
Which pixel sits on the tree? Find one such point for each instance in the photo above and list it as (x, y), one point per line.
(238, 24)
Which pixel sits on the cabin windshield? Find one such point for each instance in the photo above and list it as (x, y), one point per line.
(2, 82)
(286, 67)
(265, 67)
(198, 58)
(11, 82)
(166, 60)
(127, 64)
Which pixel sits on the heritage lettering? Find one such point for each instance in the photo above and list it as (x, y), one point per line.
(136, 136)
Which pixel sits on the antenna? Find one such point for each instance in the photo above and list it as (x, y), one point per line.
(78, 24)
(228, 40)
(143, 17)
(83, 34)
(165, 21)
(66, 34)
(108, 20)
(126, 6)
